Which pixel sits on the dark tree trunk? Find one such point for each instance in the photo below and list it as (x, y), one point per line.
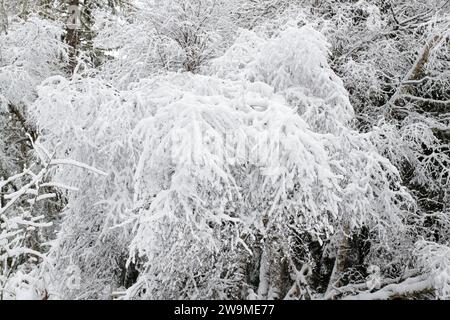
(73, 33)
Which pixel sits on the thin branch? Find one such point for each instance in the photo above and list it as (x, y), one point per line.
(426, 100)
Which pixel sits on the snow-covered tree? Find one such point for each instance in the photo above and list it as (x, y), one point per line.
(229, 175)
(164, 36)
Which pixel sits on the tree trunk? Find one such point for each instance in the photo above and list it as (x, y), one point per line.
(73, 33)
(3, 17)
(24, 11)
(340, 263)
(417, 69)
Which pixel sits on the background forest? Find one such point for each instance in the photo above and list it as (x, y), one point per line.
(224, 149)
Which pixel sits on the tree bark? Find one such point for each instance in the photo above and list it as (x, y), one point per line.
(73, 33)
(3, 17)
(340, 263)
(408, 288)
(24, 11)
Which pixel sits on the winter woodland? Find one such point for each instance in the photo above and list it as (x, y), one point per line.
(224, 149)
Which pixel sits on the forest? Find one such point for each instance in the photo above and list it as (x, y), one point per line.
(224, 149)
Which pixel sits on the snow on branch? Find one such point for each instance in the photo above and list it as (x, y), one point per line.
(76, 164)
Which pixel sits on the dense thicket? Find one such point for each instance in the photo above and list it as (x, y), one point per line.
(192, 149)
